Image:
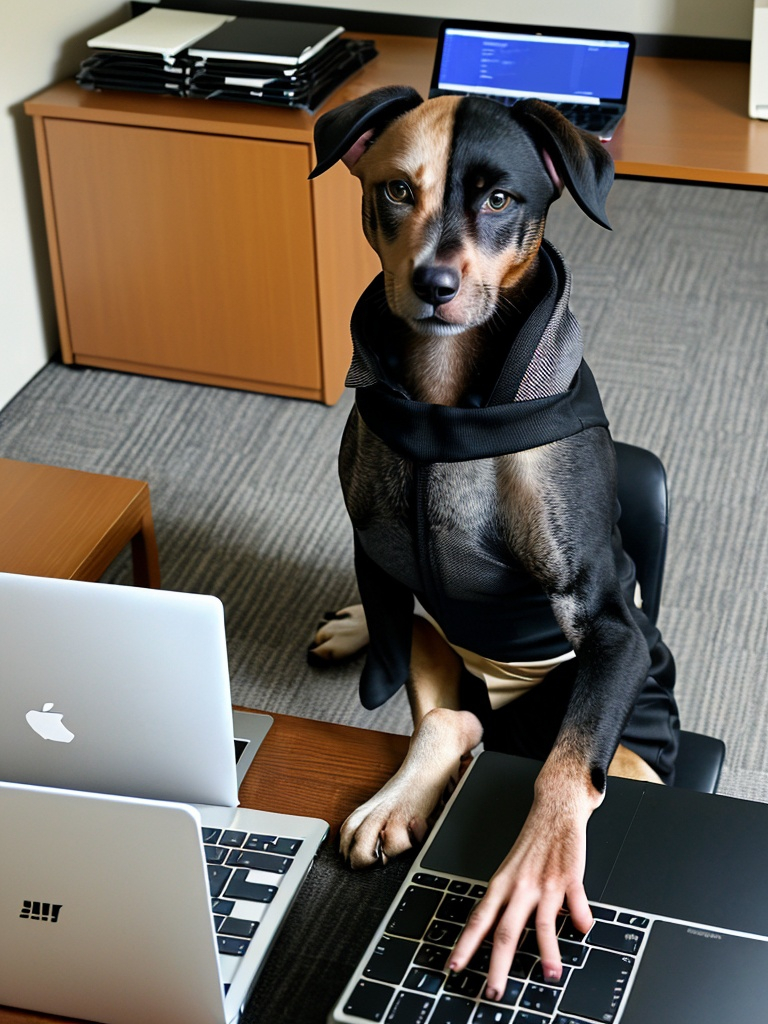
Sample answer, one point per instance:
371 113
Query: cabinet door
186 252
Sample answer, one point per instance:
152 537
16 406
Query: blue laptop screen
555 68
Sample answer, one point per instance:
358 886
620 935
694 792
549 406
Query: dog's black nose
436 285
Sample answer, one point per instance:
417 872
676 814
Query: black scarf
545 391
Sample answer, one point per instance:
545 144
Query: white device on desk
121 902
758 70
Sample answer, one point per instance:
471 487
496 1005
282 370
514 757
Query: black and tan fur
455 197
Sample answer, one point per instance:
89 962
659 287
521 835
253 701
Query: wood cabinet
186 241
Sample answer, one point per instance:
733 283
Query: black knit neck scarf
544 392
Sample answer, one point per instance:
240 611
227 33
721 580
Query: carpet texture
247 504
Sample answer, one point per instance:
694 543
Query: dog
480 478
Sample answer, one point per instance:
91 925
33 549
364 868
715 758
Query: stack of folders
220 57
148 53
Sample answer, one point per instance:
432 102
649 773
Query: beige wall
722 19
42 41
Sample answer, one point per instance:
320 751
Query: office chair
642 488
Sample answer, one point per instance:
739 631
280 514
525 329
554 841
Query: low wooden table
71 525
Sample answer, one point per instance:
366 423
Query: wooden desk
303 767
186 241
72 525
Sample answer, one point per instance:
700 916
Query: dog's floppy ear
580 159
338 131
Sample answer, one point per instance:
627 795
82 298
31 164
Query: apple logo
49 726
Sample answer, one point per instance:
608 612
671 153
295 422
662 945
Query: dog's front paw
380 830
399 815
341 635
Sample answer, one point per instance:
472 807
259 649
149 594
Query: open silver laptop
584 73
115 719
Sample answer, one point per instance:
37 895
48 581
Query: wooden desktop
186 241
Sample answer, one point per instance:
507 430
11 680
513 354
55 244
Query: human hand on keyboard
543 870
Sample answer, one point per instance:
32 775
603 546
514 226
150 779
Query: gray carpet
247 504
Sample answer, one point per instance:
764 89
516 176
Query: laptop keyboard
599 120
587 116
405 981
245 870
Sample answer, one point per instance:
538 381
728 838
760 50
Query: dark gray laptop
584 73
678 889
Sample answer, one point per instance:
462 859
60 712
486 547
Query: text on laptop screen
556 68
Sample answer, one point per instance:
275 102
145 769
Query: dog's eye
399 191
497 201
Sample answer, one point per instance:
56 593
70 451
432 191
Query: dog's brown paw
341 636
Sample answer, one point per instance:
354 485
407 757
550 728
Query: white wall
721 19
42 42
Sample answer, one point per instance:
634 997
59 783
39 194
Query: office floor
247 505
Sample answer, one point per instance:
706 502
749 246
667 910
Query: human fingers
579 909
506 938
546 934
479 924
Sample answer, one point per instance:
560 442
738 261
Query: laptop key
443 933
539 998
282 845
238 926
211 835
452 1010
603 913
217 878
414 913
410 1008
259 861
620 938
232 946
431 956
369 1000
538 976
492 1013
391 959
435 881
596 989
455 908
424 980
481 959
467 983
569 931
512 992
215 854
634 920
572 953
239 888
229 837
457 886
527 1017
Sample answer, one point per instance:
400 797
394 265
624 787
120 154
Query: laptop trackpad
693 974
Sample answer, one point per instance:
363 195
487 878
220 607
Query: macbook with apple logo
118 742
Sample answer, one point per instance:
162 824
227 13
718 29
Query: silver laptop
584 73
118 761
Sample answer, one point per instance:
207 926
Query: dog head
456 192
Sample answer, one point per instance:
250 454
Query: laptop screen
518 61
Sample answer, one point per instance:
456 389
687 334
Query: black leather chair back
644 522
